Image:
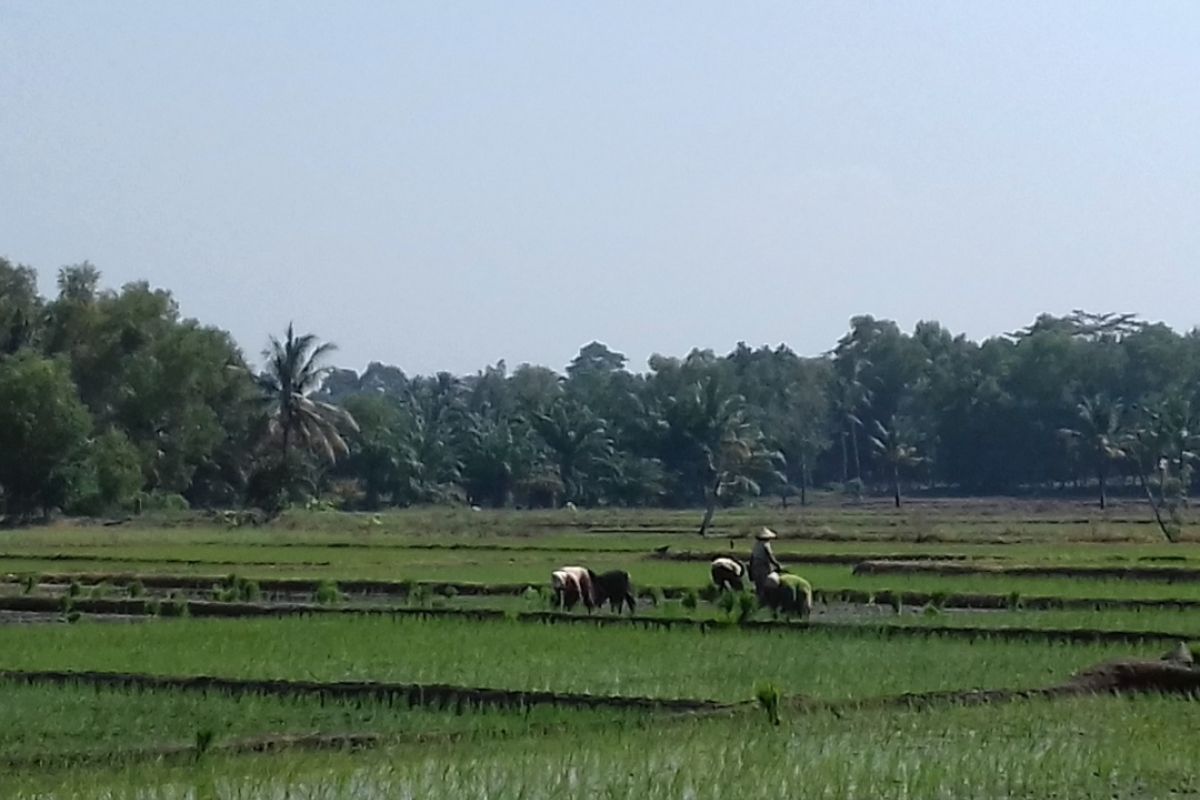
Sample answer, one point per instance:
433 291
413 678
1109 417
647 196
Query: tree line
112 399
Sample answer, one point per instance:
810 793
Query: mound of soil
1136 676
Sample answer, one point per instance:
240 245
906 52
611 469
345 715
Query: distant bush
118 468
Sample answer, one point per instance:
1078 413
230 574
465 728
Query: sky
440 185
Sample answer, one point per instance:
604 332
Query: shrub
118 469
136 589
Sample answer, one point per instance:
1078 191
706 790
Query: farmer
762 560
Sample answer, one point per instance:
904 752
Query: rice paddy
486 693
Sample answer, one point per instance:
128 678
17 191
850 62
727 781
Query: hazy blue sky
440 185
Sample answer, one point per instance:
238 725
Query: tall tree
20 307
708 424
580 447
1098 432
293 373
1161 449
43 434
892 443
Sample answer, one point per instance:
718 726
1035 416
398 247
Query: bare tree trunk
854 446
285 466
1155 506
1103 493
803 480
896 483
710 505
845 461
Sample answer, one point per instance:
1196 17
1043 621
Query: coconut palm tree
579 441
891 442
849 397
729 453
1164 445
293 373
1099 432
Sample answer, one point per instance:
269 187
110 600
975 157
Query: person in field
762 560
728 574
613 587
565 588
788 594
576 583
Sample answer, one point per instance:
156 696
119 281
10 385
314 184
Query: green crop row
722 664
534 568
1083 748
59 722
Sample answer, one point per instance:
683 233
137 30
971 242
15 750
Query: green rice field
464 682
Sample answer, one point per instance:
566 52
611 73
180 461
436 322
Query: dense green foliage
43 435
174 414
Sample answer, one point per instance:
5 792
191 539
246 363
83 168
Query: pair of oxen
574 585
782 592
